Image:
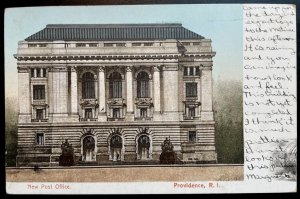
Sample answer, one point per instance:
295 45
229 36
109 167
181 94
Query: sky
220 23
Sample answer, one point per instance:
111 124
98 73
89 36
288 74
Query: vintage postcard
188 98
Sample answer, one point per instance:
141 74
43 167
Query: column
206 95
41 72
34 72
101 93
74 103
156 88
129 93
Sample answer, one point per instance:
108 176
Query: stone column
129 93
156 88
74 103
101 95
41 72
206 95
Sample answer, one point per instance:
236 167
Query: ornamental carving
88 102
115 102
143 102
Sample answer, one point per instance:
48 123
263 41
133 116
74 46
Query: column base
207 116
102 117
129 117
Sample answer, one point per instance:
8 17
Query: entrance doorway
116 148
89 149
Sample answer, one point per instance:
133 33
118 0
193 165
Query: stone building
115 92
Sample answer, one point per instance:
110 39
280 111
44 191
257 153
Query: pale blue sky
221 23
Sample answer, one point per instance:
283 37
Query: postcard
145 99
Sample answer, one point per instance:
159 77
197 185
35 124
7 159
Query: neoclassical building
115 92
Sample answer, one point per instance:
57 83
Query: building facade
115 92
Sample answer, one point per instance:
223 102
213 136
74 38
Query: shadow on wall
228 108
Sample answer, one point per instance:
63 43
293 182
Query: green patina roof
113 32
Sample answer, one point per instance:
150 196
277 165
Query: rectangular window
185 71
93 45
78 45
196 43
148 44
197 70
108 44
191 71
116 113
120 44
32 72
38 72
191 89
192 112
186 43
32 45
143 112
88 113
40 138
38 92
136 44
44 72
192 136
42 45
39 114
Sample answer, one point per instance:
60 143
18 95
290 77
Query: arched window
142 85
143 147
115 85
116 147
88 86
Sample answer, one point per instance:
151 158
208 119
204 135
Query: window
191 111
39 114
191 89
142 85
93 45
120 44
43 45
136 44
116 113
197 71
32 72
148 44
38 92
185 71
191 71
78 45
88 86
38 72
44 72
32 45
143 112
108 44
196 43
115 85
40 138
186 43
192 136
88 113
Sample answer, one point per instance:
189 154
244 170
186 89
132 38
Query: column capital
73 68
157 68
101 68
129 68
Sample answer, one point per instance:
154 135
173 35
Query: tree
11 118
228 108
